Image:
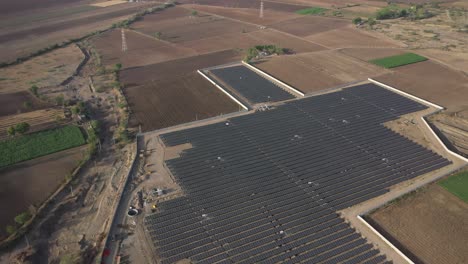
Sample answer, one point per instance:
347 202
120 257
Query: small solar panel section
250 85
266 187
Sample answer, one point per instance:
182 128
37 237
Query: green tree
10 229
194 13
75 110
371 22
27 105
59 100
117 67
34 90
11 131
22 218
22 128
357 20
158 35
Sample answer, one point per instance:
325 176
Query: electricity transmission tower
124 41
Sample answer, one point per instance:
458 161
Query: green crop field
38 144
311 11
457 185
398 60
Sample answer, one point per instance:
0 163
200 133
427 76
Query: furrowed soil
346 37
38 120
32 182
49 69
189 28
14 103
19 36
308 25
431 224
431 81
166 70
367 54
316 71
170 102
142 49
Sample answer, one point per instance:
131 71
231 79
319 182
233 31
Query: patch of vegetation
357 20
392 11
457 185
398 60
34 90
312 11
39 144
268 49
22 218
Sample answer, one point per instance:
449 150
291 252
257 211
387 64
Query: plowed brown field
431 81
431 224
308 25
367 54
319 70
349 37
31 182
141 49
174 101
13 103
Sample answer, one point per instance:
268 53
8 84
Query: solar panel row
265 187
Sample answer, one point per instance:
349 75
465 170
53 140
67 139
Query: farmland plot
15 103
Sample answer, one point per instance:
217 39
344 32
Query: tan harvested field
335 3
174 101
13 103
19 34
456 60
308 25
38 120
347 37
32 182
431 224
189 28
433 82
247 14
319 70
367 54
108 3
49 69
142 49
167 70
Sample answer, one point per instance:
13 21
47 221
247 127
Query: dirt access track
432 224
32 182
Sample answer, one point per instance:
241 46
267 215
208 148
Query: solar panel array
250 85
266 187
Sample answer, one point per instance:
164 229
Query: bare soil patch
141 49
348 37
456 60
13 103
50 69
31 182
7 7
432 224
170 102
431 81
189 28
367 54
38 120
308 25
318 70
247 14
454 128
170 69
252 4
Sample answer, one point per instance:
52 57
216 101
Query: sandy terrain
141 49
31 182
318 70
432 224
49 69
431 81
346 37
169 102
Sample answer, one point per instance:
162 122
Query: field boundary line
406 94
268 76
384 239
220 88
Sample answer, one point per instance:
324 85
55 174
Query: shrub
22 218
22 128
34 90
11 131
357 20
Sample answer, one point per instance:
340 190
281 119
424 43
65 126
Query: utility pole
124 41
261 9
